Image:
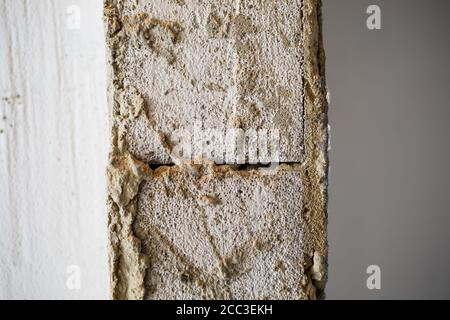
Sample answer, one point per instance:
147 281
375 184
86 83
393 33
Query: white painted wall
53 149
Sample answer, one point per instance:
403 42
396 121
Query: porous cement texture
231 234
182 230
217 65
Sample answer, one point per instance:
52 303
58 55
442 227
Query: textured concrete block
222 234
202 69
212 65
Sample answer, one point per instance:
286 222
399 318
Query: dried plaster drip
157 35
160 36
132 106
127 264
316 143
124 178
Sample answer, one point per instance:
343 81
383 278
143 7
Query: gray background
389 181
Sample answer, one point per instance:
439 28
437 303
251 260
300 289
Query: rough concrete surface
183 229
219 65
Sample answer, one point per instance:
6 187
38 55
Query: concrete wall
185 225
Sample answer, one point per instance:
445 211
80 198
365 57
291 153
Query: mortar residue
150 258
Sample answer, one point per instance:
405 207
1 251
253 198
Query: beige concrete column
218 162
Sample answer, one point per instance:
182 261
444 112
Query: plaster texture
192 227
